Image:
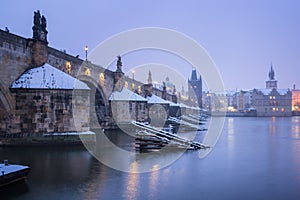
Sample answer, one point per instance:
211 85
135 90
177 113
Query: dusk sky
242 37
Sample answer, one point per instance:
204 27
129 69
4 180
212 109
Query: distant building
232 100
272 101
244 100
195 89
295 101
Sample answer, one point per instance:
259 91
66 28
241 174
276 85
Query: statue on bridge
39 27
119 64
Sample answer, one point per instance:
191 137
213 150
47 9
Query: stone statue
119 64
44 23
37 18
39 27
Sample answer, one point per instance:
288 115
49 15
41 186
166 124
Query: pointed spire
271 73
149 77
194 75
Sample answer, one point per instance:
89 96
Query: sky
242 38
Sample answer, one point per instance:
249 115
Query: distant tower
149 77
271 83
195 88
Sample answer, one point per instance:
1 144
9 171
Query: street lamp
86 50
133 74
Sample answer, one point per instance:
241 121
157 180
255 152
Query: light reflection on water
132 182
255 158
230 128
272 126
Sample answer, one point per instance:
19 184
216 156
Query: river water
255 158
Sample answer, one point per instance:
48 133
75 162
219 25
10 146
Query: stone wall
46 111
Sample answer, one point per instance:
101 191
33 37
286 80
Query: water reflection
272 126
153 182
261 166
295 128
93 188
132 182
230 128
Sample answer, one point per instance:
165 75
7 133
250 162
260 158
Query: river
255 158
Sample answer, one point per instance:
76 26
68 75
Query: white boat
10 173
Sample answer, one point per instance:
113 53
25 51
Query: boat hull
12 173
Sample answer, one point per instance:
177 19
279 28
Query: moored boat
10 173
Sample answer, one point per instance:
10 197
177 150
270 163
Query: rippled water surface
255 158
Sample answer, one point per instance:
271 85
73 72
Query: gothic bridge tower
195 88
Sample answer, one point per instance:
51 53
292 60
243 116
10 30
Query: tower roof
194 75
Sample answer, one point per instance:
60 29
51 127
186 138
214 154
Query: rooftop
125 95
48 77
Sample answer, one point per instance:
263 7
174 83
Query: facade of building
244 100
296 101
272 101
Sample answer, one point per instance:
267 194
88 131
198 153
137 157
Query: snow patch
126 95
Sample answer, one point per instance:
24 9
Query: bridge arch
99 106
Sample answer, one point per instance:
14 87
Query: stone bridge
19 54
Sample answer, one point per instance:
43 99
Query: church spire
271 73
149 77
271 83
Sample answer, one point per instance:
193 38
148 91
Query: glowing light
87 72
68 67
231 109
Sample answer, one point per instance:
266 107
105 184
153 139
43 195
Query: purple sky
242 37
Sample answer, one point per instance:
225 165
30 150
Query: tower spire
271 73
149 77
271 83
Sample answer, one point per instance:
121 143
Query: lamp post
133 74
86 50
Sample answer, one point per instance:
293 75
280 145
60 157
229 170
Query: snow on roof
173 104
268 91
48 77
182 105
155 99
7 169
125 95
